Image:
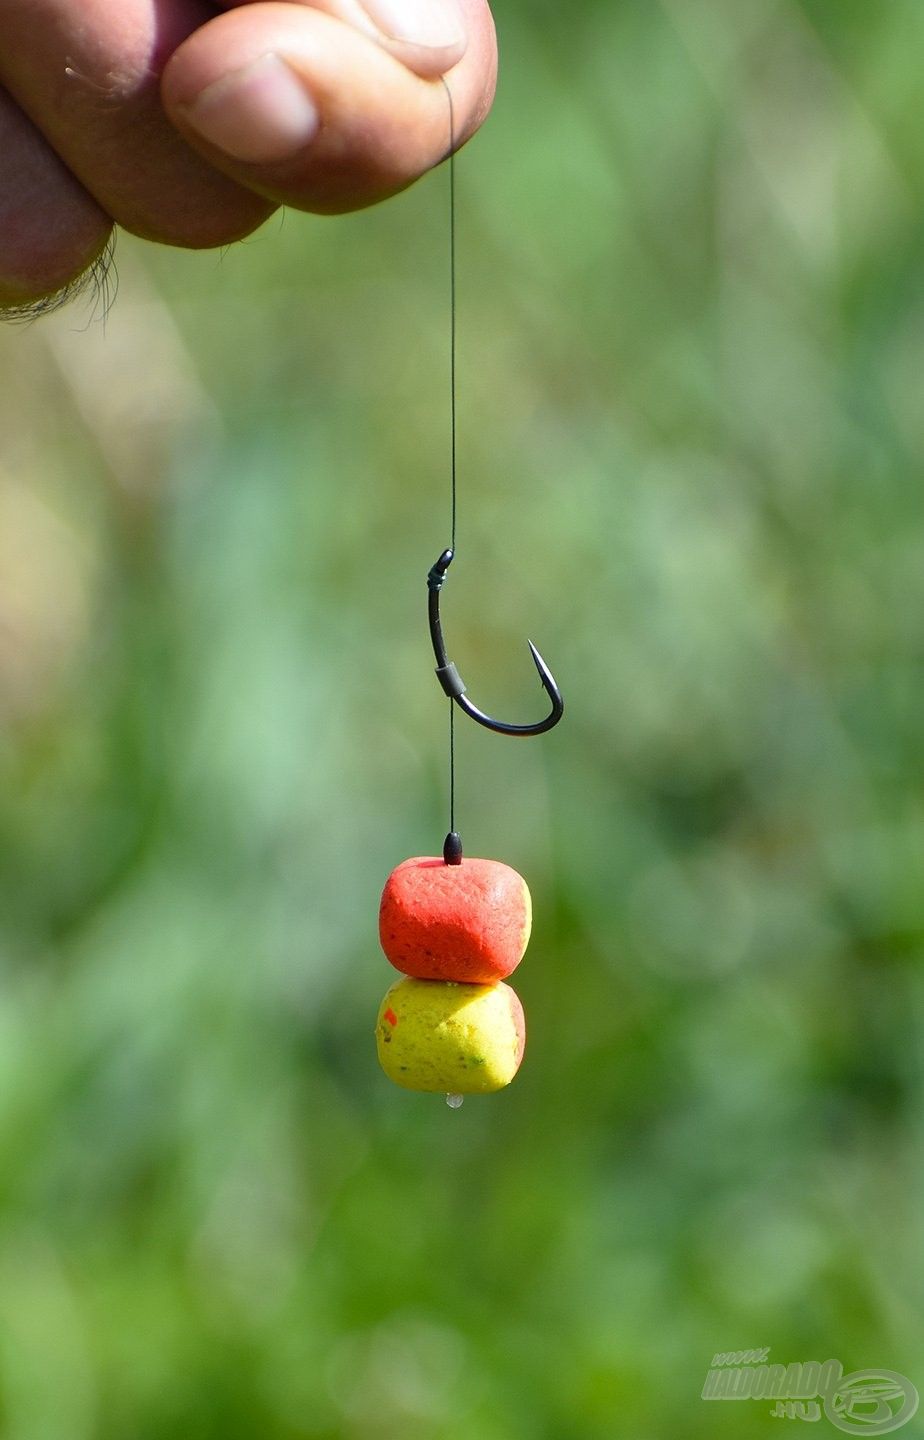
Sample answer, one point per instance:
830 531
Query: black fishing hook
452 681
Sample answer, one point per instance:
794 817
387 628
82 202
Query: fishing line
450 680
452 418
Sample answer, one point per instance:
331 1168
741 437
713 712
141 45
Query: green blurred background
691 329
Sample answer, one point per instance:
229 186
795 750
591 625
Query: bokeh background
691 329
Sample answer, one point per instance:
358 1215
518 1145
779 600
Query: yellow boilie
443 1036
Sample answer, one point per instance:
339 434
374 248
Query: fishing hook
452 681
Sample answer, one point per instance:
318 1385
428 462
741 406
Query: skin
97 121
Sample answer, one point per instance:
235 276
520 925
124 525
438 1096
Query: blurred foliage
691 293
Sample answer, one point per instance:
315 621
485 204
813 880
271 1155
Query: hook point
545 674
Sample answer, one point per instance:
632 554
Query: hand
189 123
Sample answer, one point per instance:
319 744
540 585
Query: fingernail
261 114
433 23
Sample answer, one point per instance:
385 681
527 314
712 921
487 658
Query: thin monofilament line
452 416
452 325
452 767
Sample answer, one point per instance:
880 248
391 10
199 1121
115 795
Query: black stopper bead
452 848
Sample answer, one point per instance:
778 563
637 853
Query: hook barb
452 682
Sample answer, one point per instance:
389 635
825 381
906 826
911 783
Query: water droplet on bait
454 1101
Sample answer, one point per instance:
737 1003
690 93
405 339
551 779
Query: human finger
51 229
87 74
310 112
